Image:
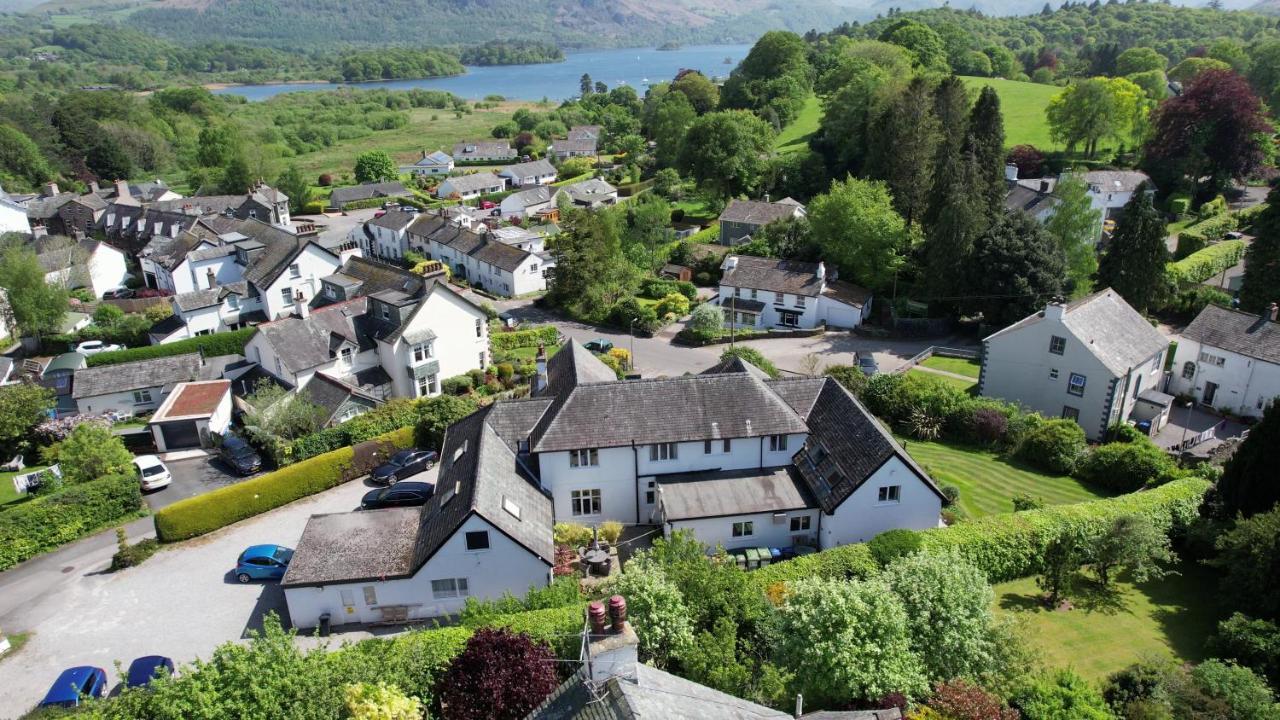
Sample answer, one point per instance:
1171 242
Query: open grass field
988 482
1107 631
1023 105
795 137
959 366
957 383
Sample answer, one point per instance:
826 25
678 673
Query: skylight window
512 509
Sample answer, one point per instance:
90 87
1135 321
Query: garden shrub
1204 264
846 562
1127 466
1011 545
456 385
46 522
626 309
543 335
658 288
1188 301
392 415
226 505
893 544
1201 234
1053 446
1250 214
128 555
673 304
225 343
572 534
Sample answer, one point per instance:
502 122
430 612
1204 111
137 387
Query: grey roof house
343 196
771 293
743 218
1229 360
140 386
483 151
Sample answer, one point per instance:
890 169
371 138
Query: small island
669 46
511 52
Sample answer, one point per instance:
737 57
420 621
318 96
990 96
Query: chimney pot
596 614
822 270
1273 310
618 612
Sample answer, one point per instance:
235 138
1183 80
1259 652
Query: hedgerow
546 335
847 562
49 521
1204 264
1011 545
218 508
1196 237
226 343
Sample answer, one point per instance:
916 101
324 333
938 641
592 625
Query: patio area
1197 430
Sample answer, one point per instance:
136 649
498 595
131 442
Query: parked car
1235 235
868 365
487 205
237 453
93 347
147 668
75 685
118 293
599 346
152 472
263 562
403 464
405 494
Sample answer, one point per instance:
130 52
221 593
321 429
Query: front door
1210 391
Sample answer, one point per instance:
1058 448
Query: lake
637 67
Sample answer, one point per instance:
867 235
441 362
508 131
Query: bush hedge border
1207 262
224 343
47 522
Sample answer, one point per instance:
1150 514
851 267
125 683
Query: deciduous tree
36 307
293 184
374 166
859 231
1075 225
92 451
499 675
703 95
22 407
1132 543
726 152
1014 269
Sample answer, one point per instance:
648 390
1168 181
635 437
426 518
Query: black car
404 464
405 494
237 453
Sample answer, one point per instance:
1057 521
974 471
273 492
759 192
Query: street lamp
1186 424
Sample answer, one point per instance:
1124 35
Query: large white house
389 343
203 312
1087 360
469 187
763 293
86 263
1230 360
481 257
740 459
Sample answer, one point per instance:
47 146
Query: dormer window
422 352
385 311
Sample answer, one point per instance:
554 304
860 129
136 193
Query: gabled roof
196 299
500 255
330 394
1108 327
574 365
534 168
533 196
582 145
1236 331
303 343
590 191
584 132
66 255
1120 181
123 377
483 148
370 276
343 195
758 212
847 445
784 276
475 182
395 220
1028 200
281 248
439 157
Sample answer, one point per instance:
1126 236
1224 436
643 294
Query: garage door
180 434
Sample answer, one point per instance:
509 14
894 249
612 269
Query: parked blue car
147 668
263 562
75 685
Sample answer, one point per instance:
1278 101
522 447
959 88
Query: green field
957 383
1023 105
959 366
1107 631
795 137
988 482
7 493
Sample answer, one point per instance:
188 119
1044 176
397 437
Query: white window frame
889 494
777 443
142 396
585 457
423 352
295 271
233 302
1211 359
586 503
455 588
662 452
286 294
801 523
427 385
743 529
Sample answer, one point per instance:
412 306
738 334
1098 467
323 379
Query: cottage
591 194
537 172
141 386
383 237
485 532
481 258
1229 360
341 197
585 132
192 415
765 293
436 163
1034 198
13 217
338 401
743 218
570 148
360 277
1086 360
87 263
528 203
483 151
469 187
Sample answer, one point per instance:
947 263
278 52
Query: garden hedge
1250 214
233 503
839 563
1204 264
546 334
1196 237
225 343
46 522
1011 545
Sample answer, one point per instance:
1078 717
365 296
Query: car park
403 464
93 347
153 474
404 494
263 562
147 668
239 455
75 685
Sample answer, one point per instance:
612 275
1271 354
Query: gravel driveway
182 603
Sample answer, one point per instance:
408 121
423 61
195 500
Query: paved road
182 603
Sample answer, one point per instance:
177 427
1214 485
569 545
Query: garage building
190 414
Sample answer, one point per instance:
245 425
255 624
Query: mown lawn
1107 631
1023 105
795 137
988 482
7 493
959 366
957 383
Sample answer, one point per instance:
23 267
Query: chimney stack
614 651
596 614
93 186
1011 172
1055 309
1044 185
540 380
213 278
122 189
50 189
618 612
822 270
1272 311
799 706
300 305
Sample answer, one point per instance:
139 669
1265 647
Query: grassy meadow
1023 104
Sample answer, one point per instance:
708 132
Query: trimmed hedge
1012 545
226 343
1204 264
840 563
44 523
546 335
233 503
1250 214
1195 237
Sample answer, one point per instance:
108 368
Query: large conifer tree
1134 262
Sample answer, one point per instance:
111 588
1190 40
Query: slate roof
590 191
584 132
354 546
439 157
651 695
372 276
477 245
1120 181
68 255
156 372
395 220
732 492
757 212
330 394
483 148
500 255
847 293
798 392
1028 200
579 145
574 365
281 248
532 169
1108 327
1236 331
684 409
303 343
785 276
475 182
196 299
533 196
847 446
343 195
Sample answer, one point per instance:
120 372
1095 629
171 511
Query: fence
966 353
